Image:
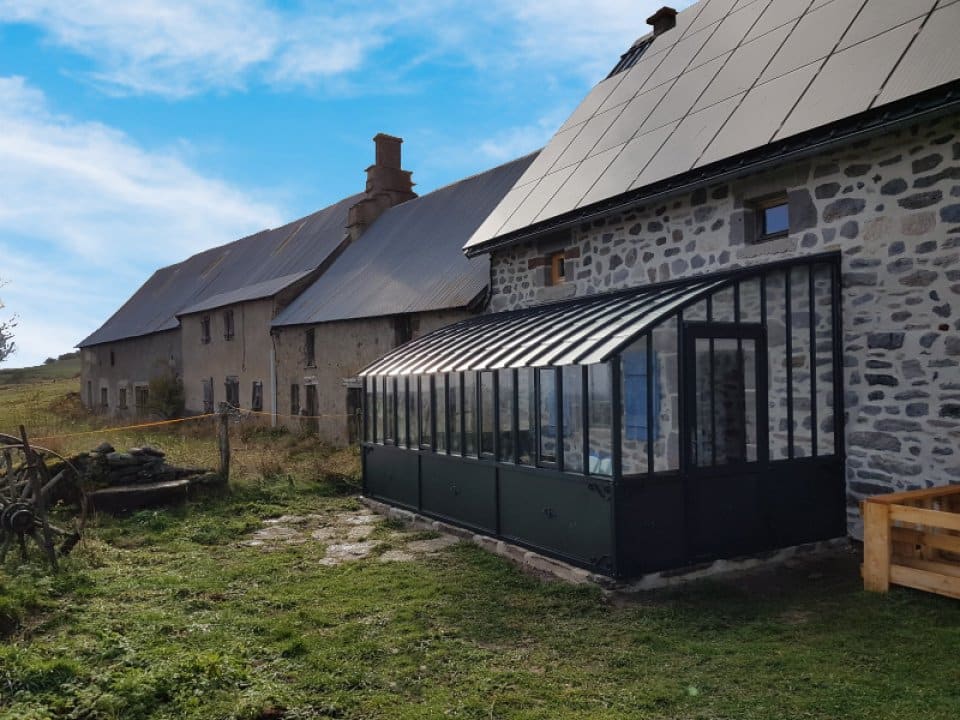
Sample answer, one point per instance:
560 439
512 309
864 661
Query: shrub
166 395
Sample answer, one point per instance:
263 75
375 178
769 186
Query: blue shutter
635 395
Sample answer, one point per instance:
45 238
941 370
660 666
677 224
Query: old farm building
726 300
207 319
281 322
406 277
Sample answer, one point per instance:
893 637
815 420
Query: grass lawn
165 614
65 368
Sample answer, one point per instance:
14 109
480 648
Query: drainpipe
273 379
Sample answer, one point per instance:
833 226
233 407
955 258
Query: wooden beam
941 568
950 543
925 580
914 495
919 516
876 547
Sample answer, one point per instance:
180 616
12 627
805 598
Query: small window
773 218
310 347
228 324
104 397
205 329
294 399
558 269
630 57
232 387
141 396
208 395
122 398
256 396
113 359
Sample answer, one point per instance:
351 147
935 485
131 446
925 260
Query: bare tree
7 347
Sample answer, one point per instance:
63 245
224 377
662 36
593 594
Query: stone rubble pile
104 466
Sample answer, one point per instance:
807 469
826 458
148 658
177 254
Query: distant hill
63 367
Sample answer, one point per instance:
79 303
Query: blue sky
135 134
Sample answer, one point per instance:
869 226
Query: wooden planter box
913 539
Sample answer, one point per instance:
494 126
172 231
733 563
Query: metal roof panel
792 40
410 259
299 246
759 115
849 81
730 33
933 59
813 38
742 69
882 15
627 165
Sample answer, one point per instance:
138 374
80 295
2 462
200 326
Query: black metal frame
628 496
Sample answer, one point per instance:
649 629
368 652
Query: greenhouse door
725 439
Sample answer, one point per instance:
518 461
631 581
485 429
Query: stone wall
245 356
891 206
126 364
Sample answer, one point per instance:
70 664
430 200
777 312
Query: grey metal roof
241 270
731 77
411 258
581 331
574 332
256 291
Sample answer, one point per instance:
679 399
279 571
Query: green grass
62 369
164 615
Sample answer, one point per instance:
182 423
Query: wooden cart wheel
30 513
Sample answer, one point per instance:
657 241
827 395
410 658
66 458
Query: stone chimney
662 20
387 185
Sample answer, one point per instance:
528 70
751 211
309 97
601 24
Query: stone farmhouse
278 322
725 300
408 276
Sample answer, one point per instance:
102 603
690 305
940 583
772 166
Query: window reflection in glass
413 410
440 385
527 413
488 426
505 400
600 399
402 411
573 418
547 380
389 414
453 405
370 416
470 414
426 412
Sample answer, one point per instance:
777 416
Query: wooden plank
919 516
913 495
941 568
925 580
876 547
950 543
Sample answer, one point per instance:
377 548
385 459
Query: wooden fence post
876 546
223 439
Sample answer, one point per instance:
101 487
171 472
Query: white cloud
81 202
176 48
516 141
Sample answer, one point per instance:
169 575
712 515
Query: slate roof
732 77
253 267
411 258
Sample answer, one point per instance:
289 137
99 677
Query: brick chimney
662 20
387 185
